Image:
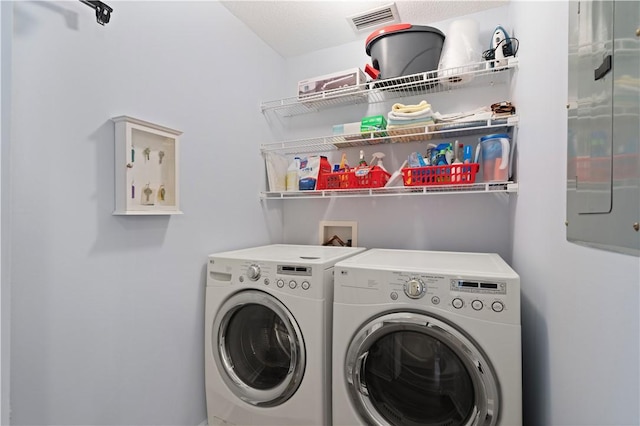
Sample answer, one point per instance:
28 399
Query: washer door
258 348
414 369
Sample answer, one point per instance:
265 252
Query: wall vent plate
373 18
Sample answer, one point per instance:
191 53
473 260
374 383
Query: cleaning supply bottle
456 172
449 154
379 156
292 179
466 156
458 156
362 162
444 154
343 163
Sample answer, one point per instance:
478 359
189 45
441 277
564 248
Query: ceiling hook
103 12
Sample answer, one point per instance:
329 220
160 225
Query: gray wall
6 25
108 311
580 306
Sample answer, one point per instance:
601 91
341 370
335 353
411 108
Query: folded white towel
393 115
483 113
401 108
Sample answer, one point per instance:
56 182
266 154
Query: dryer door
415 369
258 348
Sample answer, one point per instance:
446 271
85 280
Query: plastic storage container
495 157
365 177
403 49
452 174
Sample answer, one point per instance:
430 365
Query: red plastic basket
364 177
452 174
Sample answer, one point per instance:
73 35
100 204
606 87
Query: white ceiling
293 28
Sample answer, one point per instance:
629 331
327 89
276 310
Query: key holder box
146 168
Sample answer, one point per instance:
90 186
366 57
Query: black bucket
404 49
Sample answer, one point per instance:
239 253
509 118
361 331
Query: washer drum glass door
415 369
258 348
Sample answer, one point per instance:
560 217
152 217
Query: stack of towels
409 119
479 114
408 116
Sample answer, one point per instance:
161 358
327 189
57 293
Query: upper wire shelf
485 72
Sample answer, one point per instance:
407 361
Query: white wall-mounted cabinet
146 168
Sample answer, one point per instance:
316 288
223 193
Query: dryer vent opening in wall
383 15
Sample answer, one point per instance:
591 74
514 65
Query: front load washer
426 338
268 334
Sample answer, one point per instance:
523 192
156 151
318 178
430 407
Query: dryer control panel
483 298
482 294
303 280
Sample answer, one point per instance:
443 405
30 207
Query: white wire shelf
474 188
479 73
416 134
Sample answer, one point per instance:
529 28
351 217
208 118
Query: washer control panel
458 294
285 277
482 298
311 281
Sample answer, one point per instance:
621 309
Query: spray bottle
379 156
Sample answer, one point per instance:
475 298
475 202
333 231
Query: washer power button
497 306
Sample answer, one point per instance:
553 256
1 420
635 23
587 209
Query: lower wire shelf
474 188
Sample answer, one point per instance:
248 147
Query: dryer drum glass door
258 348
414 369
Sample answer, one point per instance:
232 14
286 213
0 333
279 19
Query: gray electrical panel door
603 161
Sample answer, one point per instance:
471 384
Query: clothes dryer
426 338
268 334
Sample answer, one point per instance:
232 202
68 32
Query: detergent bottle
495 157
292 178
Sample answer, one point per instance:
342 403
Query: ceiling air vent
374 18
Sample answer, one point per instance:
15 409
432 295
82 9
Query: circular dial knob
414 288
253 272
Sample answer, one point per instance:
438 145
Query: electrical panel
603 149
